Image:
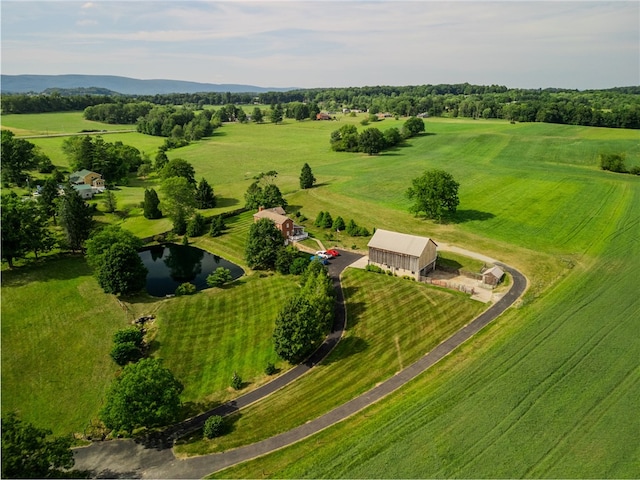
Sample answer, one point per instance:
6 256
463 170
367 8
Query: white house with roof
401 253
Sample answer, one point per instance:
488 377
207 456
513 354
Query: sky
308 44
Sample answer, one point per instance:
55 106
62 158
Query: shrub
186 289
214 426
129 335
299 265
236 381
270 369
219 277
123 353
374 269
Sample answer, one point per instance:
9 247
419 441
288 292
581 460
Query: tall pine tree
306 177
151 202
204 195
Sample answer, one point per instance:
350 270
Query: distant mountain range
123 85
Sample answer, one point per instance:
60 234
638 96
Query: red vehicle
333 253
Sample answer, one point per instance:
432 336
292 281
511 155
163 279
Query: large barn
402 254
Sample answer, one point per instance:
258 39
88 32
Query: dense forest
615 107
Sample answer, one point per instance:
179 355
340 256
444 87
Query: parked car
322 254
320 259
333 253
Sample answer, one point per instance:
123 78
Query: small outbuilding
493 275
403 254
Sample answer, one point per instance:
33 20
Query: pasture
546 391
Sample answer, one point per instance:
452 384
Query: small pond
171 265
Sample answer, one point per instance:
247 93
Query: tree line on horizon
615 107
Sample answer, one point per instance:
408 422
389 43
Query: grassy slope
208 337
57 326
391 322
551 391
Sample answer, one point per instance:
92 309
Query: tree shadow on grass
222 202
463 216
62 266
347 347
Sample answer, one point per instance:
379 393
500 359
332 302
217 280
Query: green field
550 391
547 391
391 322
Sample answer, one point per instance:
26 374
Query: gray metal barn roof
399 242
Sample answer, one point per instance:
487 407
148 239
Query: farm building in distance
290 231
402 254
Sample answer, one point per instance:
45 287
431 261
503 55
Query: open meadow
548 390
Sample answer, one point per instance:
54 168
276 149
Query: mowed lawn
209 336
57 328
391 322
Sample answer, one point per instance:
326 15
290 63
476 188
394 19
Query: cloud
347 43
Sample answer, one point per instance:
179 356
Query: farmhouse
402 254
323 116
87 177
290 231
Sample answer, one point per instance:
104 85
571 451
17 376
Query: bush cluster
325 220
127 345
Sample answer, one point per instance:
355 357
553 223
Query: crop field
391 322
548 390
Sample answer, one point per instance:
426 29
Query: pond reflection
170 265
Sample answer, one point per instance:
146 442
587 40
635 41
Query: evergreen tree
319 221
217 226
110 203
276 114
196 226
204 195
76 218
327 221
338 224
151 202
306 177
257 116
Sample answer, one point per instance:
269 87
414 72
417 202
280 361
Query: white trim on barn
403 254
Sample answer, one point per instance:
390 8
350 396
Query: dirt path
126 458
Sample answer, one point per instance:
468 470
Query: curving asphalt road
152 457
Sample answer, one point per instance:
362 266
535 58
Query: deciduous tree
179 167
178 200
18 155
31 452
146 394
76 218
121 270
263 244
435 193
